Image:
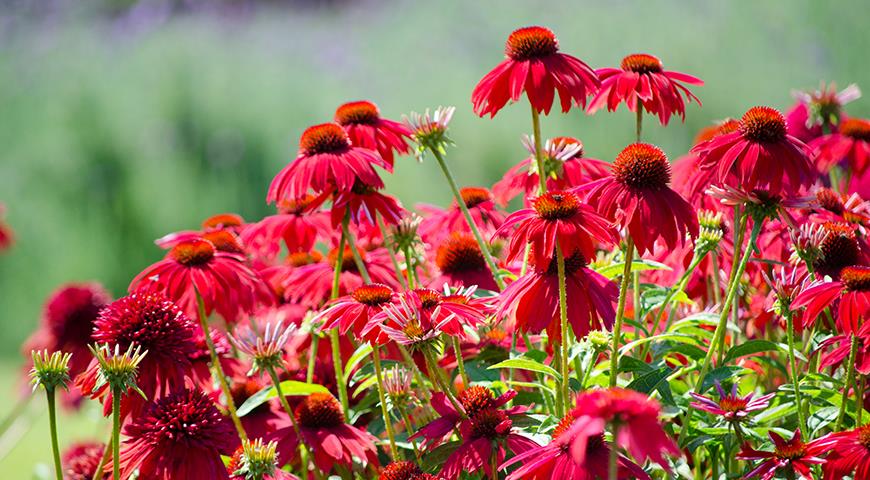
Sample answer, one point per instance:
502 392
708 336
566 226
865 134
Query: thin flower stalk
620 310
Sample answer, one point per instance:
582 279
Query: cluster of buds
712 227
405 235
118 369
258 460
50 370
397 383
807 243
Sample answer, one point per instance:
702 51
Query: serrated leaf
614 270
288 388
523 363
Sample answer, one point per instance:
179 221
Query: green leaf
748 348
676 337
523 363
361 352
719 374
648 382
614 270
288 388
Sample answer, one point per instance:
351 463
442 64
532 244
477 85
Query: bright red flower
555 460
793 455
294 224
642 79
353 312
7 237
853 292
635 417
816 107
326 160
461 263
402 470
364 202
421 315
182 435
324 431
637 196
532 301
438 224
851 144
731 407
158 326
221 229
838 249
850 455
367 129
842 346
80 461
564 167
760 154
557 218
222 279
534 65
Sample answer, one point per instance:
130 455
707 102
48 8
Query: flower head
815 108
839 248
534 65
257 461
118 369
366 128
80 461
850 145
731 406
265 348
50 370
461 262
430 130
403 470
850 454
794 456
853 292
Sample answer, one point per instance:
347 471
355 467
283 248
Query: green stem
437 379
850 379
859 401
484 247
217 369
303 448
802 421
412 269
312 357
620 310
460 363
539 158
393 260
730 304
357 258
612 460
563 327
409 427
638 122
388 423
52 426
717 290
333 334
116 433
681 284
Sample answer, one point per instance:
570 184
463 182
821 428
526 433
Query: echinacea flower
438 224
637 196
294 224
404 470
155 324
850 455
794 456
80 461
853 292
632 415
555 460
731 406
324 431
460 262
534 65
222 230
815 108
532 303
557 219
642 82
565 166
760 154
255 460
850 144
430 129
265 345
326 159
849 208
367 129
842 350
351 313
839 248
195 268
363 203
181 435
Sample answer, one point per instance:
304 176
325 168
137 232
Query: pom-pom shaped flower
760 154
794 457
367 129
80 461
534 65
637 196
642 81
853 292
327 159
181 435
731 406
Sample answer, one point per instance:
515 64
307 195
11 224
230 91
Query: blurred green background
123 120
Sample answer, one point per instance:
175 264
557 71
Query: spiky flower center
732 404
763 125
830 200
489 423
319 410
191 253
573 262
856 128
474 196
357 113
373 295
529 43
856 278
556 205
476 398
296 206
324 138
223 220
298 259
459 253
428 298
564 425
184 417
642 63
347 261
400 471
149 320
224 241
792 450
413 329
838 249
641 165
864 436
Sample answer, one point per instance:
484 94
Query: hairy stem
620 310
52 426
795 380
382 396
563 327
850 380
116 433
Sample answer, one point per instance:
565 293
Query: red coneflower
839 248
221 229
564 167
182 435
367 129
324 431
158 326
732 407
221 279
637 196
850 455
793 455
635 418
842 349
437 223
402 470
364 202
80 461
642 80
851 143
532 303
760 154
853 292
326 159
353 312
814 108
461 263
554 460
294 224
557 218
849 208
534 65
